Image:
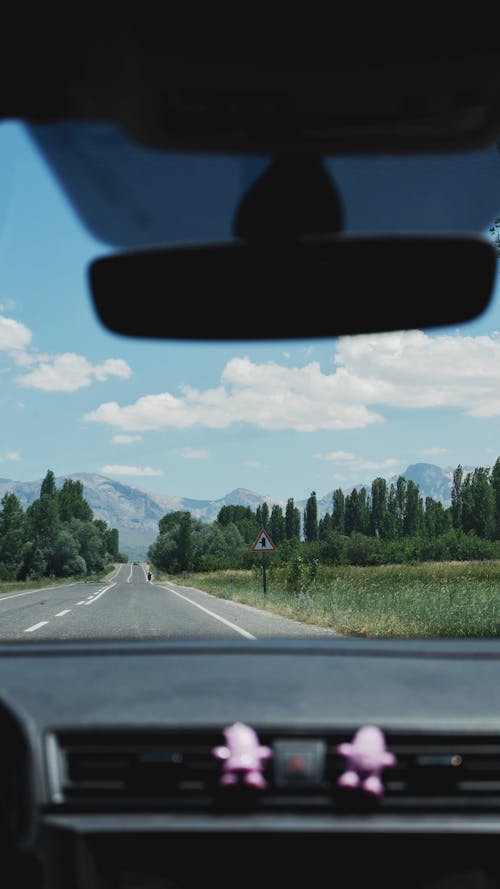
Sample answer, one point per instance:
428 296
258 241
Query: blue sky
199 420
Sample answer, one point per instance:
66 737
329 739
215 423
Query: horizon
239 488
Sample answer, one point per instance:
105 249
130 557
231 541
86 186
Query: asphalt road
126 606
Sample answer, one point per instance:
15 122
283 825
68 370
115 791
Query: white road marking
41 589
130 575
98 596
36 626
211 613
62 613
82 602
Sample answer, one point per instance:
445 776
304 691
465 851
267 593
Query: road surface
126 606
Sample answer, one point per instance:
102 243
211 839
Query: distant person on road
149 576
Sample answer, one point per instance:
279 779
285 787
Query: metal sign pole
263 545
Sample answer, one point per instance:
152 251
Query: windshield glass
343 486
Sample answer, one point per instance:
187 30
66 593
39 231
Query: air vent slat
175 771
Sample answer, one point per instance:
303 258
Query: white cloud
433 452
117 469
112 367
194 453
337 456
351 462
125 439
7 305
15 337
414 370
252 464
267 395
20 404
53 373
13 456
407 370
69 372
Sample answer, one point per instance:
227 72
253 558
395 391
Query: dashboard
109 776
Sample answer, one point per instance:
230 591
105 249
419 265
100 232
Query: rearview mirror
310 287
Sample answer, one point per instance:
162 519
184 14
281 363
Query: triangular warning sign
263 544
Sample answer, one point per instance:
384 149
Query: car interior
121 757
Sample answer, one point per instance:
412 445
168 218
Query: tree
338 511
483 503
215 547
262 514
43 522
12 534
400 505
357 512
184 549
379 506
112 544
325 527
277 525
457 497
66 560
89 536
495 484
163 552
49 485
72 504
292 520
436 518
171 520
311 518
33 562
413 510
244 519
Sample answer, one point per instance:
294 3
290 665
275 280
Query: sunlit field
443 599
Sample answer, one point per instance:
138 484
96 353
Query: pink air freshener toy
366 757
242 757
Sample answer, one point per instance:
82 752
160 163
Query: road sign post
263 545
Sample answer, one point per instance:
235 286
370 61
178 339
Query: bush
363 550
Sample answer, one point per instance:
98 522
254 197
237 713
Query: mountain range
136 513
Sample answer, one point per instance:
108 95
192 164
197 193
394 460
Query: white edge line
211 613
42 589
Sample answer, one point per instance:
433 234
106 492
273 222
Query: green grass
442 599
20 586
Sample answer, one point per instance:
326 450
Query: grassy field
442 599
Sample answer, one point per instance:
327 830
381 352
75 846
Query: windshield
344 486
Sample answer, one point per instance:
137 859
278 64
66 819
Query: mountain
433 481
136 513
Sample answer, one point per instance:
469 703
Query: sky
198 420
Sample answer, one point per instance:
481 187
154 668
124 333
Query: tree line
391 522
56 536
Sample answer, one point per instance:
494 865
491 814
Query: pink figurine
367 756
242 756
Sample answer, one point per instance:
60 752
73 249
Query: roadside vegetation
380 562
57 536
444 599
20 586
